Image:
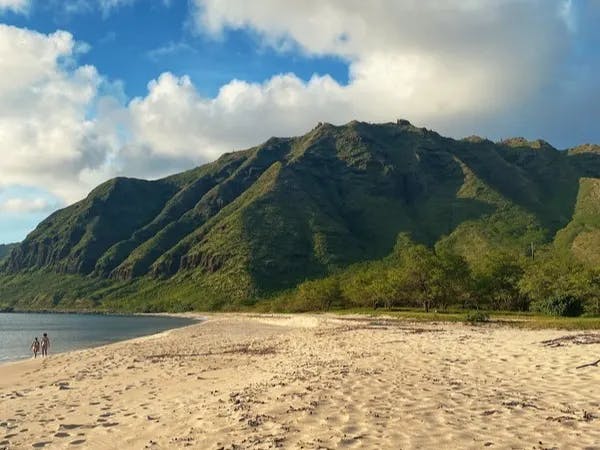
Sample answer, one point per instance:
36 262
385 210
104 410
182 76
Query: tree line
414 275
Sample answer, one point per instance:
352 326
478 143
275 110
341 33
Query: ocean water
75 331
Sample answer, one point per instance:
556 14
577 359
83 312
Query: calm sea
75 331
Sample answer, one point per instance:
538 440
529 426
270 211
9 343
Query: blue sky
138 41
99 88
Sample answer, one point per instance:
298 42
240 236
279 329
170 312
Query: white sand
313 382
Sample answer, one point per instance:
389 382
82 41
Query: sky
92 89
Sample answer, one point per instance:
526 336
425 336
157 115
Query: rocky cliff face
5 249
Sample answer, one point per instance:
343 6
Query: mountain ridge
290 209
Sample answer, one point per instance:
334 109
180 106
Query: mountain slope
266 218
5 250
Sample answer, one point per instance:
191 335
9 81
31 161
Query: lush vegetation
371 216
551 282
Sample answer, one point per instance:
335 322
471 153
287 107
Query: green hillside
262 220
5 250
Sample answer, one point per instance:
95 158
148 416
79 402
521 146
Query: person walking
45 344
35 346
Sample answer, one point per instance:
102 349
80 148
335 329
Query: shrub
317 295
561 305
477 317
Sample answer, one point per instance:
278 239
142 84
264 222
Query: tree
420 275
368 287
556 275
497 276
319 294
453 278
593 303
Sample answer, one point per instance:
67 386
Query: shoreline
252 381
193 317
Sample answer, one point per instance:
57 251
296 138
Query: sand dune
312 382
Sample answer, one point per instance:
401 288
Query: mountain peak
585 148
521 142
474 139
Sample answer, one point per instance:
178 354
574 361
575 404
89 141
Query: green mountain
5 250
264 219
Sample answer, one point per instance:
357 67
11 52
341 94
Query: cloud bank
18 6
461 67
24 205
46 138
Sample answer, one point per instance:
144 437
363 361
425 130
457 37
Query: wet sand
312 382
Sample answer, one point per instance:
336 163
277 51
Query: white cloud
169 49
46 137
456 66
26 205
431 58
106 7
566 13
19 6
173 122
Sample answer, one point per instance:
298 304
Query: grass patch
474 317
531 321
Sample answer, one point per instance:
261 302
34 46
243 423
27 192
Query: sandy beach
311 382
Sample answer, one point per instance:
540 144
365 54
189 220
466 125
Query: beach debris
575 339
252 349
231 447
186 440
256 420
595 364
588 416
376 324
560 419
522 404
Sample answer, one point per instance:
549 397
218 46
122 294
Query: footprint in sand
77 442
62 435
69 426
41 444
110 424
